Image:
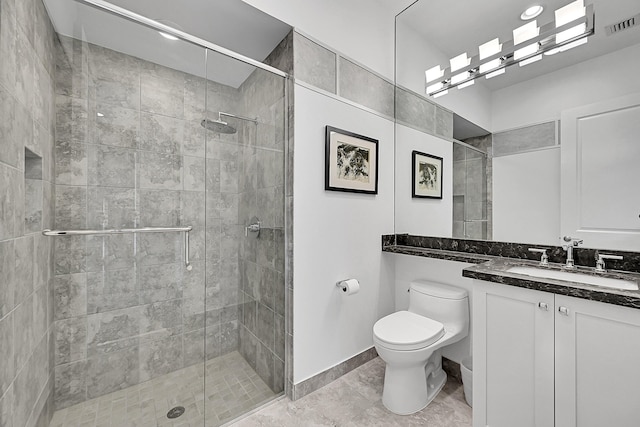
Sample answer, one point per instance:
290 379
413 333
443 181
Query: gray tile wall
485 143
26 207
323 68
282 58
314 64
126 310
471 189
130 152
364 87
524 139
261 193
420 113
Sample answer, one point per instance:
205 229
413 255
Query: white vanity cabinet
550 360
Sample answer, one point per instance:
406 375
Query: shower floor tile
232 388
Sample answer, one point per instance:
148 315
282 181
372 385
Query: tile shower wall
131 152
478 171
470 193
282 58
261 194
26 207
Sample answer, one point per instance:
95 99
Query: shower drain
175 412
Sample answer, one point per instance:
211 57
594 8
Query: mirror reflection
521 167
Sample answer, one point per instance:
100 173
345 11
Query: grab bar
184 230
115 231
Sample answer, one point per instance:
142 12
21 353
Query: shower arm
235 116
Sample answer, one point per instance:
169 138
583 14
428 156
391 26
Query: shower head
221 126
217 126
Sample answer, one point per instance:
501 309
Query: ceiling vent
623 25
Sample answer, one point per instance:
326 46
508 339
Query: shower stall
472 189
168 231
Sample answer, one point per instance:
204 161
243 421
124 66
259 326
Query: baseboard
323 378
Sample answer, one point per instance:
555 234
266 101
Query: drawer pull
563 310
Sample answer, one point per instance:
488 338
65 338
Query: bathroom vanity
547 352
551 352
543 359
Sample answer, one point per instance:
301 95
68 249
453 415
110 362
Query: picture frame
351 162
426 174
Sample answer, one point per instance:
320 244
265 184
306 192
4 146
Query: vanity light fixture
530 60
490 49
523 34
572 26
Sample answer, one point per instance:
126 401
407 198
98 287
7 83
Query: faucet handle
572 241
544 258
600 265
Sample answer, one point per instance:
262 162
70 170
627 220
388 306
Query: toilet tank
447 304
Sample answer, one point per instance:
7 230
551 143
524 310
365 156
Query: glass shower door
128 312
244 133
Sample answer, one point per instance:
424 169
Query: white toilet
410 343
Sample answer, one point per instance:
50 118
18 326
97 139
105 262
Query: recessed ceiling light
531 12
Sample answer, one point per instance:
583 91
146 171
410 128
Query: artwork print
426 175
351 162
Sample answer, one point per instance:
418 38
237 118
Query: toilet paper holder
342 285
349 286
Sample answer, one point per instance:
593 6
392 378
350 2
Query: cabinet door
513 356
597 364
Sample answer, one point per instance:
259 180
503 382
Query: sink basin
569 276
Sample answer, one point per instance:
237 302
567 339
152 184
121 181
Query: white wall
360 29
543 98
428 217
526 197
409 268
337 236
415 55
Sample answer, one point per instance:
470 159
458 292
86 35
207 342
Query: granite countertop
438 253
494 269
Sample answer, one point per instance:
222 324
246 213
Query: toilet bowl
410 343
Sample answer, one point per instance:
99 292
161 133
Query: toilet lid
404 330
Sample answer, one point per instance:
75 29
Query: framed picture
426 172
351 162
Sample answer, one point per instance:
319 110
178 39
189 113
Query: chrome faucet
571 243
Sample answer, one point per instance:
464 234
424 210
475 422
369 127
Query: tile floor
355 400
232 389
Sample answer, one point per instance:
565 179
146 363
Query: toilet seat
404 330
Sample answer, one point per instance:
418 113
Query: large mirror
543 150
